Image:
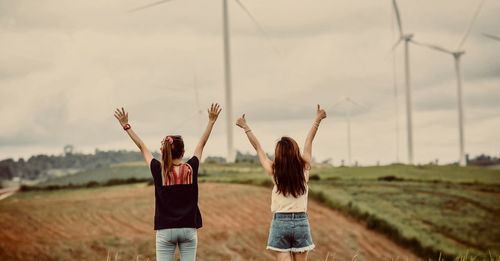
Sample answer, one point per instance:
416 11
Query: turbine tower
407 38
457 54
227 83
347 115
227 65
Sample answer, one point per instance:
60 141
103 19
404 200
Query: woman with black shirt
177 215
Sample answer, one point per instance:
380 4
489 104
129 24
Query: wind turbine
396 94
494 37
227 66
457 54
407 38
347 115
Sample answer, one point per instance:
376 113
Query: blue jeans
168 239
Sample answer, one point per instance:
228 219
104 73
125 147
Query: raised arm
307 154
213 113
264 160
122 118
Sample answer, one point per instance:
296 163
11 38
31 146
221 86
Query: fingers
318 107
243 116
215 108
123 111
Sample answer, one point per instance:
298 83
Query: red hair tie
170 140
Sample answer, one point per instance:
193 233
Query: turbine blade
257 24
432 46
133 10
494 37
196 93
338 102
356 103
398 17
469 27
396 44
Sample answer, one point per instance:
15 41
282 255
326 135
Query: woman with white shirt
290 233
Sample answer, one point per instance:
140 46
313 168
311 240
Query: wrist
126 126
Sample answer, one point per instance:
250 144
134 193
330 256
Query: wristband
126 126
247 131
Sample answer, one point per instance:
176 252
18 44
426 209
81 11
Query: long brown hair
288 168
172 148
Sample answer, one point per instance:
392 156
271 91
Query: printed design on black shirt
184 175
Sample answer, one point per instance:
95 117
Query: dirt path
90 224
7 192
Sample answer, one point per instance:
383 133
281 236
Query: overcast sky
65 65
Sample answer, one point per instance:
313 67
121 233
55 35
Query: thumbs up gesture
242 122
320 114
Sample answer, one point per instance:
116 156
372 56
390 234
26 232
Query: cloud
66 66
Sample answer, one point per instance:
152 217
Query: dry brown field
116 223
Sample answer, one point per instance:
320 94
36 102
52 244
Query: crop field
117 222
429 209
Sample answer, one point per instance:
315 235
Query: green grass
117 172
430 209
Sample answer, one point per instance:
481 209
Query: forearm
310 136
203 140
206 133
252 138
135 138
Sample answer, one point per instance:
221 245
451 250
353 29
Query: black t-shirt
176 206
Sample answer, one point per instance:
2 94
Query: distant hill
41 166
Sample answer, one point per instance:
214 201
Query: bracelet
126 126
316 125
247 131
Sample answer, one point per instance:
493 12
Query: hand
213 112
242 122
320 114
121 116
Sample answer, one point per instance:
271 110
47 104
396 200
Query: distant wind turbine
347 115
494 37
227 66
407 38
396 95
457 54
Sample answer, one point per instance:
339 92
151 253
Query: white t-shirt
288 204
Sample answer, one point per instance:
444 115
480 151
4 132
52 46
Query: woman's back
286 204
176 205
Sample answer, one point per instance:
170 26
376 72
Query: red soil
116 222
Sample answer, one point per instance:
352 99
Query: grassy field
431 209
117 222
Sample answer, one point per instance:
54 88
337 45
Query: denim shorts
290 232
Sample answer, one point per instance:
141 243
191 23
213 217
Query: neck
176 161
